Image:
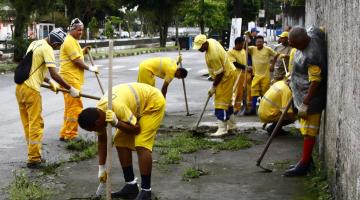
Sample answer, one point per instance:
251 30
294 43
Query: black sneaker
144 195
129 191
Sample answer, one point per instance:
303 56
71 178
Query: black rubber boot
129 191
144 195
299 170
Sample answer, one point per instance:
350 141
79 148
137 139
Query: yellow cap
199 41
284 34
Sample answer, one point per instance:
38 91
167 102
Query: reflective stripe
33 142
275 88
136 98
311 126
130 118
50 63
71 119
218 71
273 103
224 115
160 66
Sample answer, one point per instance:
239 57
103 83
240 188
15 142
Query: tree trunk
201 20
163 34
20 43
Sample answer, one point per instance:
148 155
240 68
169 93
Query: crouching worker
273 104
28 93
137 112
162 67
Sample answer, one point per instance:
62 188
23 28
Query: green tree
206 13
86 9
160 12
111 22
93 27
24 9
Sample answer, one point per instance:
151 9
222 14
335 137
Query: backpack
22 71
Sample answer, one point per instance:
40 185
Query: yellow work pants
149 123
311 125
73 107
260 84
29 101
224 91
146 76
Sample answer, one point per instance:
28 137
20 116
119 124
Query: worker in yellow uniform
273 104
308 84
28 93
72 68
261 68
223 71
162 67
283 48
137 112
237 56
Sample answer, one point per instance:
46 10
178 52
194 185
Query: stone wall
340 135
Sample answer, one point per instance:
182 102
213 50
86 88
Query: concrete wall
340 137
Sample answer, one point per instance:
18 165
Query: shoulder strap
31 58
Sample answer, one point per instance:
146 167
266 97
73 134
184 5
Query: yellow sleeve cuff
314 73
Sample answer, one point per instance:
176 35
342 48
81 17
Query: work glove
111 118
179 59
211 91
94 68
74 92
302 110
102 174
54 85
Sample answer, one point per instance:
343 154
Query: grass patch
171 147
318 184
192 173
236 143
22 188
50 168
7 66
86 149
172 156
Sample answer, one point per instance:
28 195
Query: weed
50 168
87 153
171 157
192 173
22 188
86 149
170 148
80 145
318 184
239 142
